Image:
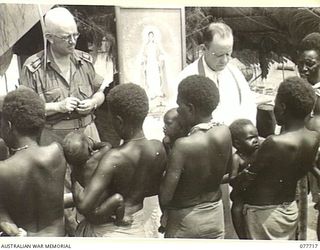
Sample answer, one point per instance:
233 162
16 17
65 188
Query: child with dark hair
196 166
246 141
270 208
83 154
172 129
134 169
35 202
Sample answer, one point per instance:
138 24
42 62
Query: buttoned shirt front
50 84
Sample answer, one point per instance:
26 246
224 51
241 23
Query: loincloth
135 229
271 222
204 220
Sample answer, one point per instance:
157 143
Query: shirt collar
207 68
74 57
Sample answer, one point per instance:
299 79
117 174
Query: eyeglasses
68 38
219 56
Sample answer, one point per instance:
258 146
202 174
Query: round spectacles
221 55
68 38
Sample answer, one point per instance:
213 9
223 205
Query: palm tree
264 34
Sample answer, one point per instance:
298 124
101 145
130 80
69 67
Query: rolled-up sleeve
27 78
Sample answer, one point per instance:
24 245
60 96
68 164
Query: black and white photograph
156 121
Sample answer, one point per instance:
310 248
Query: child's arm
97 145
68 200
316 167
235 166
110 206
100 145
265 156
226 177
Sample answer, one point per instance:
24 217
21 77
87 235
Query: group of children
83 154
245 140
131 172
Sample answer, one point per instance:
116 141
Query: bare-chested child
32 179
191 185
271 210
246 141
172 129
83 155
133 169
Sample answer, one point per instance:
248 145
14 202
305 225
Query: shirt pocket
52 95
85 91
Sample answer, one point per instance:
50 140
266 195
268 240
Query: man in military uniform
66 80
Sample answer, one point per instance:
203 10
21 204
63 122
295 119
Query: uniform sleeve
26 78
95 79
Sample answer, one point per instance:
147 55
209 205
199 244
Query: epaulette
33 66
85 56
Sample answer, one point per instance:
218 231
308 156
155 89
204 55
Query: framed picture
151 48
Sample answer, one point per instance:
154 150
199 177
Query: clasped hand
72 103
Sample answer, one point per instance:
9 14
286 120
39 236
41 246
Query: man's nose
225 58
305 68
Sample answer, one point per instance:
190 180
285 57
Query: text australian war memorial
159 122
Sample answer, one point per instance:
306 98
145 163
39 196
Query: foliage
97 27
263 35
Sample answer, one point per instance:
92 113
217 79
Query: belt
72 124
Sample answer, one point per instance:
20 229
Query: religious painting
151 49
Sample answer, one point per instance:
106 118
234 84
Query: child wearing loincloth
172 130
270 208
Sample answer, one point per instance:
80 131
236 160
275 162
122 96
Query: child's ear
191 108
119 121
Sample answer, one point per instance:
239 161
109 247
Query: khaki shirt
51 85
55 88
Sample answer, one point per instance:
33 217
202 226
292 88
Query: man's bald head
59 20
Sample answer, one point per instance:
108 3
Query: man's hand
69 104
86 106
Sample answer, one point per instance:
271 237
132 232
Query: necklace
19 149
135 139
